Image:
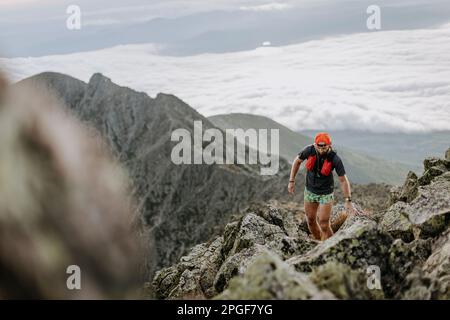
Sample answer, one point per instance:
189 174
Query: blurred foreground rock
63 201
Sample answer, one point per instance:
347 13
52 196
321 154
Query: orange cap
323 137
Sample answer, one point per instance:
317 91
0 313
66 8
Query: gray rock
430 174
410 188
236 265
407 192
359 243
432 279
430 211
443 164
433 167
208 268
425 216
254 230
268 277
395 220
394 194
403 258
437 267
193 277
344 282
417 286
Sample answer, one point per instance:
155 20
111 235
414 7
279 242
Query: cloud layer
379 81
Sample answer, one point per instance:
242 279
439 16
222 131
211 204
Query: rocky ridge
267 254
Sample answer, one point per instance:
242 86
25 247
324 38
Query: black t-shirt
315 182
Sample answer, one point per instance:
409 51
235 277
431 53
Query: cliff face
267 254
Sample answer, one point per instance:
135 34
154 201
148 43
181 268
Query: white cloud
266 7
380 81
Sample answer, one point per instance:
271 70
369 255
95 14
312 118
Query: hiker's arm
347 193
294 169
345 184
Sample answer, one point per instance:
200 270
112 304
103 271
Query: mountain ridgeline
181 205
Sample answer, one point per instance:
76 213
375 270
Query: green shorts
320 198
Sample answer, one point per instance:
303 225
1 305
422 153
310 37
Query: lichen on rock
268 277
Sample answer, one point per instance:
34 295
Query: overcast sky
186 27
322 62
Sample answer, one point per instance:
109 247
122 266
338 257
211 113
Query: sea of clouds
382 81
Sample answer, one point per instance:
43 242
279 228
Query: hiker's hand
291 187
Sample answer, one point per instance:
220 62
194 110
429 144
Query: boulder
425 216
433 167
254 229
263 227
407 192
402 259
437 267
359 243
430 211
416 286
193 276
343 282
410 188
395 220
268 277
236 265
432 280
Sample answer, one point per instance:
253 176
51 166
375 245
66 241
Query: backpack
327 165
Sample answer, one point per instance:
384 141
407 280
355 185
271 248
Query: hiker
321 159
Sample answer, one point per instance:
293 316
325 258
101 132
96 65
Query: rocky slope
267 254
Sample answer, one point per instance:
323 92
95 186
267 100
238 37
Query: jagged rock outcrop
343 282
408 244
432 279
260 229
408 191
268 277
359 243
427 215
193 277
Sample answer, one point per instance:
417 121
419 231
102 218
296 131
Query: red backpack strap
310 163
326 168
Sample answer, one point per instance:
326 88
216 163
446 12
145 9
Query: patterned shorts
320 198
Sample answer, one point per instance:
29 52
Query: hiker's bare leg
311 218
324 213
